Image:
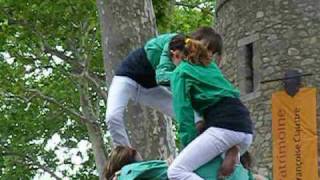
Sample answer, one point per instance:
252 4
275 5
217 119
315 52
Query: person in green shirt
198 84
140 77
126 164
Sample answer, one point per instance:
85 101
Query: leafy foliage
183 16
47 48
37 34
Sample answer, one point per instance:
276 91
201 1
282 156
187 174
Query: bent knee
174 172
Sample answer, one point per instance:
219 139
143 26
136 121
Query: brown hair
246 160
120 156
194 50
210 38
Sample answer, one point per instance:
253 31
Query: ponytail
194 50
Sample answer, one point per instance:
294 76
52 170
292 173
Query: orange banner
294 135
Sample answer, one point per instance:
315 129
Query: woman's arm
165 67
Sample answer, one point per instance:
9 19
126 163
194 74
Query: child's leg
204 148
245 144
160 98
121 90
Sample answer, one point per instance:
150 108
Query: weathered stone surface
293 51
307 61
260 14
285 35
247 40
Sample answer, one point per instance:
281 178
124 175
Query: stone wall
282 34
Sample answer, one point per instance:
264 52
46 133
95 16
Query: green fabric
157 170
159 56
196 87
250 175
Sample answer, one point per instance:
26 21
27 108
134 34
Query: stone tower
262 39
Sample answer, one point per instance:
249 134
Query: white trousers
122 90
203 149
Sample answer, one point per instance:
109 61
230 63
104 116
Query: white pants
122 90
203 149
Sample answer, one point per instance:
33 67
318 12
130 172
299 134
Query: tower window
248 74
249 71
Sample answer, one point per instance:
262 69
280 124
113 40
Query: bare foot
229 162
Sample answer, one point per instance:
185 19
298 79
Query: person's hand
200 125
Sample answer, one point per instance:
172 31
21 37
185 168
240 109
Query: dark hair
194 50
120 156
246 160
210 38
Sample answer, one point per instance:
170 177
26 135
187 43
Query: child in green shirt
198 84
140 77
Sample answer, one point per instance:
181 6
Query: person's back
157 170
141 65
157 47
207 82
197 84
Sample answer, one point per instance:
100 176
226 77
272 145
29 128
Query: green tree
52 83
183 16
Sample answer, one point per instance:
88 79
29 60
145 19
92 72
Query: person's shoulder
183 65
197 71
165 35
185 68
188 66
160 40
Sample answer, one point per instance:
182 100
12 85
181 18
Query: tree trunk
93 128
127 25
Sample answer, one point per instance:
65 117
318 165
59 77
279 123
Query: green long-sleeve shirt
196 87
157 170
157 50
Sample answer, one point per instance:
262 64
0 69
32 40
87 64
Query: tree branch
191 6
206 9
62 55
21 98
82 118
97 85
31 162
